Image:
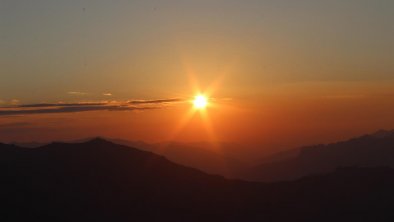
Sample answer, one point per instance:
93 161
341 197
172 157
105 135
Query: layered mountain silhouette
366 151
376 149
197 155
102 181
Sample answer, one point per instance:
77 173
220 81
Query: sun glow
200 102
198 110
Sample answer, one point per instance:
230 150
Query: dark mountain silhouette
195 155
29 144
281 156
370 150
101 181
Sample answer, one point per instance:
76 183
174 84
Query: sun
200 102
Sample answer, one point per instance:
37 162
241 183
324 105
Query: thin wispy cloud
76 93
48 108
15 124
157 101
38 105
14 101
107 94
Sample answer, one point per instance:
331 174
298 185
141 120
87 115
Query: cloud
15 124
38 105
107 94
76 93
157 101
48 108
14 101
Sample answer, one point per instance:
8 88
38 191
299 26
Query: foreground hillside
102 181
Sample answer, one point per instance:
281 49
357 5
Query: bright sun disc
200 102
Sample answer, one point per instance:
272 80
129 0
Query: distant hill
370 150
102 181
29 144
99 180
196 155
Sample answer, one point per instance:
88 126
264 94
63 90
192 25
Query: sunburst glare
200 102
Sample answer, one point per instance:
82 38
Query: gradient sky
291 72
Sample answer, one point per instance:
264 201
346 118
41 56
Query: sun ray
210 130
182 123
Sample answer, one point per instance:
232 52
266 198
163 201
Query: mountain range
227 161
98 180
371 150
375 149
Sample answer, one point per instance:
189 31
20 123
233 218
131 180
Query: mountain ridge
99 180
366 150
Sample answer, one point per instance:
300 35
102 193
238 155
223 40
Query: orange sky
279 118
281 73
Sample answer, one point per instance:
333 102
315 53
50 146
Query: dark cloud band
157 101
48 108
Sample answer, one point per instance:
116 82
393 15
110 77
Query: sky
280 74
